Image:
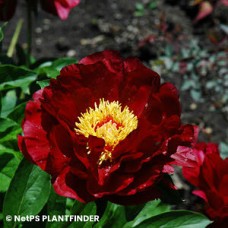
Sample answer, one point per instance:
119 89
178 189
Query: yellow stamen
109 122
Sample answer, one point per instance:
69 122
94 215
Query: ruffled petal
34 142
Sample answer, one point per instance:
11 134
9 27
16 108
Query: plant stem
2 28
14 39
29 32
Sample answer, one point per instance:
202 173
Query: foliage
140 8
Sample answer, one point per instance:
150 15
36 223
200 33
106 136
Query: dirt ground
95 26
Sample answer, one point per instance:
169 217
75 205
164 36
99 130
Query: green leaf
187 85
9 139
169 52
151 209
1 31
8 135
114 216
211 84
223 146
139 6
28 192
88 209
56 205
81 211
8 165
5 149
0 103
18 113
77 207
69 205
177 219
153 5
1 217
5 124
48 71
52 69
132 211
14 77
196 95
62 62
43 83
8 103
1 35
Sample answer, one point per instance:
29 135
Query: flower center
107 121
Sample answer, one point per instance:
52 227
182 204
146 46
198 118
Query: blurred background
185 41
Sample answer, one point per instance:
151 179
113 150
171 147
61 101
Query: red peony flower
60 8
209 173
7 9
105 128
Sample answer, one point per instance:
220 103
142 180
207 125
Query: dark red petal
153 111
95 148
185 137
96 145
169 97
34 143
139 71
192 175
78 93
208 177
49 6
68 185
61 103
103 81
72 71
223 187
139 83
170 126
145 177
131 163
138 99
60 152
78 169
112 56
81 152
212 148
116 183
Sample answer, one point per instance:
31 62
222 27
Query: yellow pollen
107 121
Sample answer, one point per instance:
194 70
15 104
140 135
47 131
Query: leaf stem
15 38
